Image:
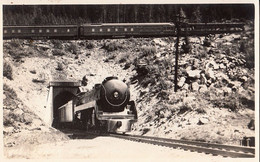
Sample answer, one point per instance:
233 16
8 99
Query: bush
231 101
90 45
148 50
124 57
242 47
57 43
186 47
200 110
40 78
33 71
9 92
206 42
18 54
38 81
112 46
248 49
73 48
59 66
16 43
58 52
184 108
8 71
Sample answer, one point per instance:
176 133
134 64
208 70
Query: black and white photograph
159 81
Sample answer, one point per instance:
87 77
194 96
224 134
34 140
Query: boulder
181 82
186 87
168 83
203 120
196 63
243 78
194 74
203 88
37 122
8 130
193 120
210 74
18 112
212 64
227 90
227 44
203 79
195 86
222 66
188 69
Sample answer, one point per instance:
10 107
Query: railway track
193 146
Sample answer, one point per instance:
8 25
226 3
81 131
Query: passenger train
117 30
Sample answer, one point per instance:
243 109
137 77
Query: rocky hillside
214 101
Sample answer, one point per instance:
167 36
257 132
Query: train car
117 30
211 28
39 32
106 107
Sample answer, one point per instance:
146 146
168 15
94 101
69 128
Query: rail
195 146
208 148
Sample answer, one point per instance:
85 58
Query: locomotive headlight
116 94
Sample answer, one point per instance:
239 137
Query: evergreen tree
196 15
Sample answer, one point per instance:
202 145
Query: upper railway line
118 30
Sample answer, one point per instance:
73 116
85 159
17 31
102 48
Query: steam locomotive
106 107
117 30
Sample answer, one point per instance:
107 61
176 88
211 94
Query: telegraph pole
177 50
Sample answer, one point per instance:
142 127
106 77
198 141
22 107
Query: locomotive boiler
106 107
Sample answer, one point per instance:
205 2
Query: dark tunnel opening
60 100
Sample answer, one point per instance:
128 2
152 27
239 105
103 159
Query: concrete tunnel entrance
60 92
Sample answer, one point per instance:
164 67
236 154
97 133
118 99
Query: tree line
80 14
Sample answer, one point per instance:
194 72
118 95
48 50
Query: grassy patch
16 43
9 92
8 71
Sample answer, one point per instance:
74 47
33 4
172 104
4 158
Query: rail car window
93 30
47 30
55 30
116 29
68 30
40 30
132 29
13 31
125 29
5 31
19 30
32 31
108 29
100 30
